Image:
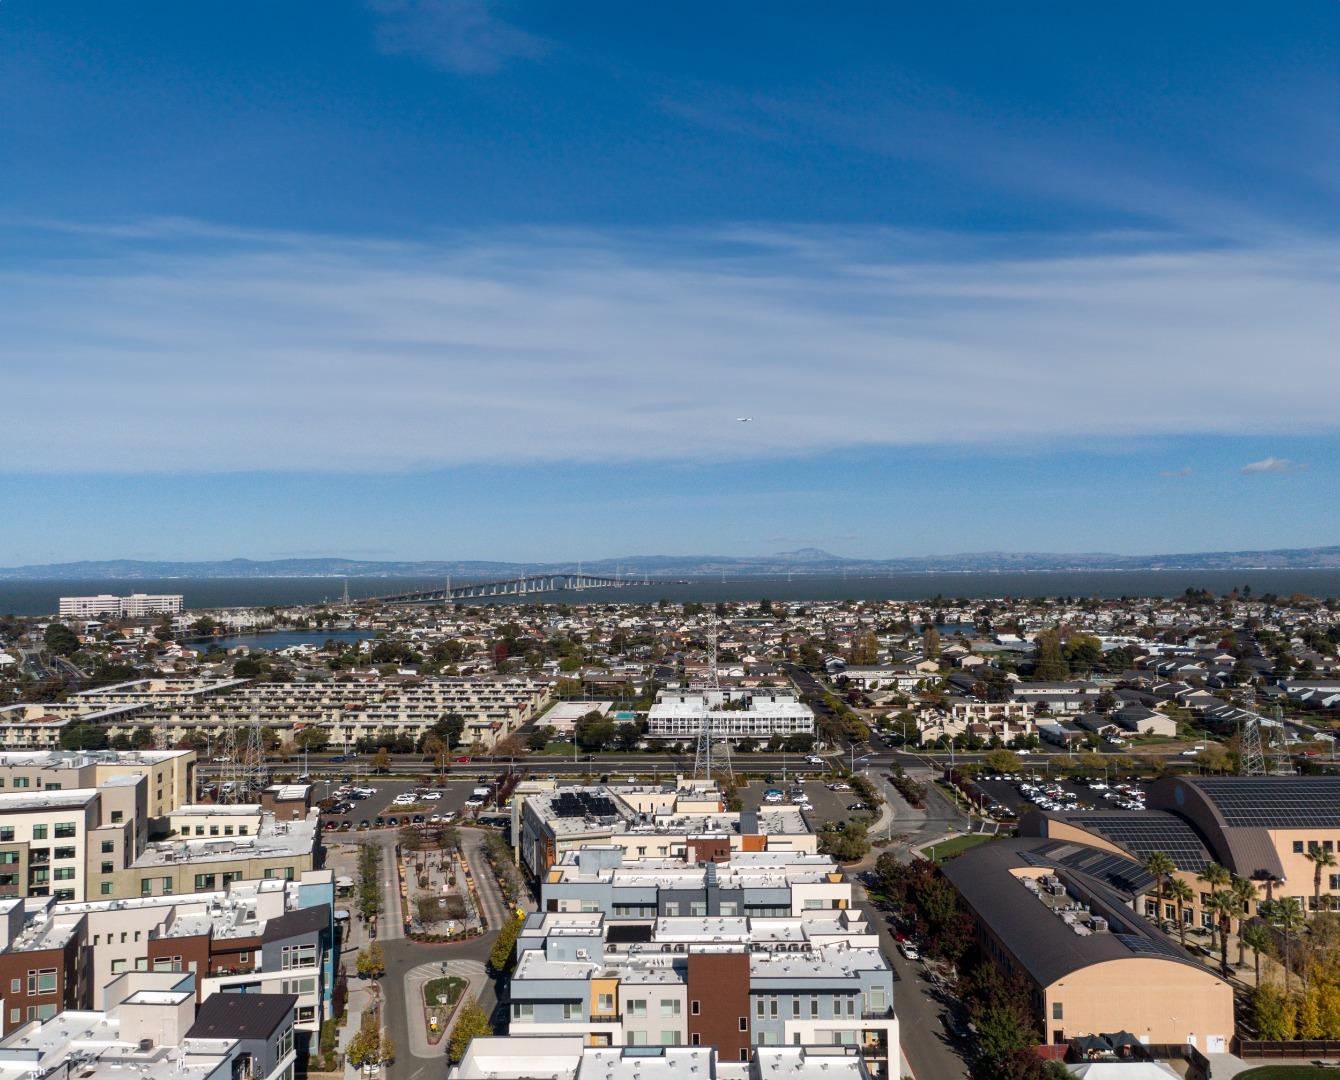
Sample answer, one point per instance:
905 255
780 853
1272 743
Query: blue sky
445 278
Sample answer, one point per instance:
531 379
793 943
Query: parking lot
824 805
381 804
1116 793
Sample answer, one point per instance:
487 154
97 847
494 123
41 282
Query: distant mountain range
809 561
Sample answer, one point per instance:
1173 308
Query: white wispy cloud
468 37
209 350
1274 465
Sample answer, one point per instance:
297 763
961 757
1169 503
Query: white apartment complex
733 714
134 606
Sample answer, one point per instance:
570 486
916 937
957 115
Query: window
244 957
877 999
108 847
296 956
146 887
813 904
107 868
695 1007
1058 1012
795 1007
744 1053
670 1007
242 830
64 894
729 908
814 1005
669 1037
118 966
105 889
285 1044
672 907
42 981
1335 881
9 858
523 1010
65 830
6 833
64 873
637 1038
698 907
636 1006
204 881
39 832
15 986
9 879
22 781
744 1023
14 1016
64 853
118 816
693 1038
572 1010
1298 847
305 1012
213 830
298 986
605 1003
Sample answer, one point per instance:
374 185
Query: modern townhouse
648 821
150 1025
256 937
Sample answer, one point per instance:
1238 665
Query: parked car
909 950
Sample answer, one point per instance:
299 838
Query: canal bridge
570 581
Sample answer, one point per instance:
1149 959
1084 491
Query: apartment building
730 983
170 774
150 1025
266 936
569 1058
351 712
732 714
710 880
134 606
649 821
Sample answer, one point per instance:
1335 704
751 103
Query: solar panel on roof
1150 946
1275 801
1141 835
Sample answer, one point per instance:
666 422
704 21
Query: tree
1216 877
504 947
1321 859
1160 867
1051 665
312 739
1286 915
1257 938
371 962
60 639
627 735
381 760
1002 761
1182 895
1222 906
454 725
594 731
930 643
847 843
539 738
1273 1014
472 1022
83 737
1243 891
247 667
388 1049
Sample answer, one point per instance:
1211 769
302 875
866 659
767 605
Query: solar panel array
1150 946
1275 801
579 804
1113 870
1141 834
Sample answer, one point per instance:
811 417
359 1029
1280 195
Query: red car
463 761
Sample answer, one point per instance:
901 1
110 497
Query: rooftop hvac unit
1099 924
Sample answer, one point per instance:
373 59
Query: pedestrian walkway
472 971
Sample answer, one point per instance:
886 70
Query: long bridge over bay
570 581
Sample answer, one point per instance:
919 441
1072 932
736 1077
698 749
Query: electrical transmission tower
1281 758
702 758
246 770
1251 755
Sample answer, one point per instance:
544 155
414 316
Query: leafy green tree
594 731
504 946
83 737
1002 761
1051 665
1321 859
1160 867
1257 938
312 739
60 639
539 738
472 1022
627 736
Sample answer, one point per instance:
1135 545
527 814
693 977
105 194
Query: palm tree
1216 877
1257 938
1160 867
1286 915
1223 907
1182 894
1320 858
1243 891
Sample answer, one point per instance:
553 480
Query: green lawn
443 991
958 845
1285 1072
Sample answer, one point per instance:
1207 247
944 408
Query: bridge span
573 581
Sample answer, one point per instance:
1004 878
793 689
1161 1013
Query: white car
909 950
431 796
815 759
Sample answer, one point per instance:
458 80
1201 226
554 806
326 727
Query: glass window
65 830
1058 1012
118 816
105 889
204 881
6 833
636 1006
64 853
39 832
108 847
146 887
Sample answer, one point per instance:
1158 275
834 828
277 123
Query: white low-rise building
732 714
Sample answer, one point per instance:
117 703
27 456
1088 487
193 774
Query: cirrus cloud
1274 465
174 347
